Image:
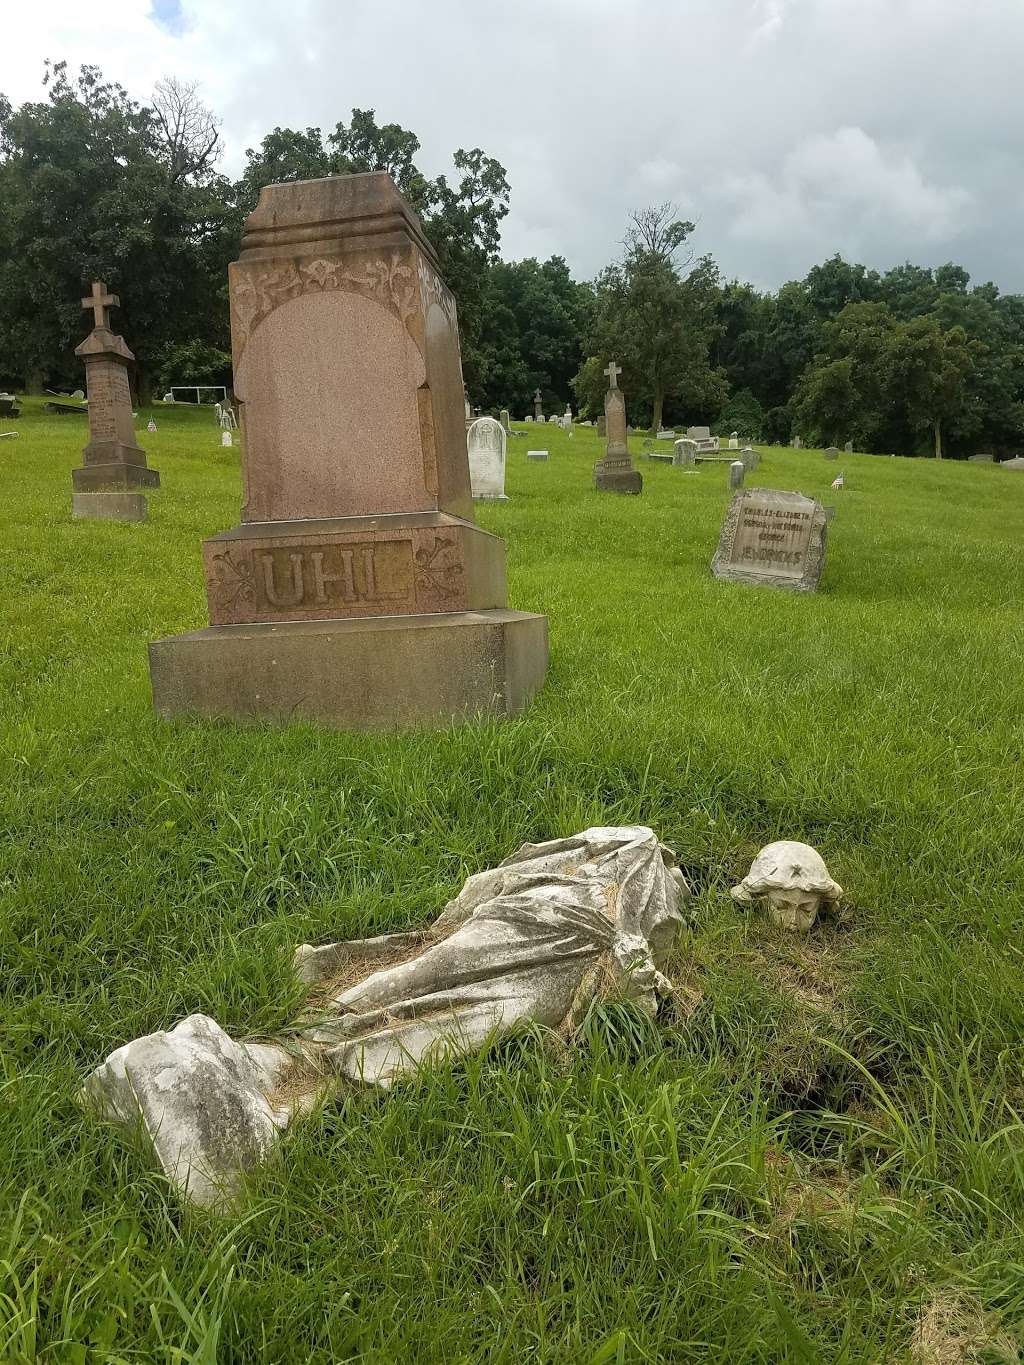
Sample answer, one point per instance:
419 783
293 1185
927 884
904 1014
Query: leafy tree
90 188
656 316
743 413
533 317
885 382
284 155
931 370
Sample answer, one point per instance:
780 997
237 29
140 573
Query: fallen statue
536 938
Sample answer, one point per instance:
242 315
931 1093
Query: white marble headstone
486 443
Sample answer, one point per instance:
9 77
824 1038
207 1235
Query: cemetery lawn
816 1155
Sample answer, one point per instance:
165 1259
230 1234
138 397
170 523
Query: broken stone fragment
202 1100
535 939
793 881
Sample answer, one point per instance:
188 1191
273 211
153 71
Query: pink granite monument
357 590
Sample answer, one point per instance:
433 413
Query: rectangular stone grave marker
357 590
685 453
114 465
831 452
736 472
848 447
774 538
536 454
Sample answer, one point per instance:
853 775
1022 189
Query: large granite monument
114 467
774 538
357 590
615 473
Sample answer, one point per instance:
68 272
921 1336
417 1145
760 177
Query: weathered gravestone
506 421
538 407
773 538
536 454
706 443
736 471
357 590
615 473
602 427
114 469
487 444
751 458
685 455
734 441
848 447
981 459
1016 463
831 452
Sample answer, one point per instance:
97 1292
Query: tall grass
814 1143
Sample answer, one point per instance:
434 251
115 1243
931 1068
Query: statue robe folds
536 938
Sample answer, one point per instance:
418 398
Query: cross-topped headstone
613 371
114 469
99 301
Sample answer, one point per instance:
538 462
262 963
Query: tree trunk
938 439
659 403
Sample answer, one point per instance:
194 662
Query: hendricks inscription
774 538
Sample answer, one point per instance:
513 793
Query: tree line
97 185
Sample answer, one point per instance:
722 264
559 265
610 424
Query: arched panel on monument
444 371
329 382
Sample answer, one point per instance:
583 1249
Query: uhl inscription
353 574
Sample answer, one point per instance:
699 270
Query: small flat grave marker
774 538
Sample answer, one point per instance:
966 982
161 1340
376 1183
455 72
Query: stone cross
99 301
612 371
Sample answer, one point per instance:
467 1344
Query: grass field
816 1156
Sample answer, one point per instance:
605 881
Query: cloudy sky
788 129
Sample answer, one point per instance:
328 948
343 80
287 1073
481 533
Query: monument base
617 479
109 506
362 674
96 478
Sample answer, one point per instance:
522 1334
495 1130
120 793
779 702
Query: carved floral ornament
257 289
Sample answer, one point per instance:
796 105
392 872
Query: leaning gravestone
831 452
685 456
357 591
487 444
107 486
615 473
773 538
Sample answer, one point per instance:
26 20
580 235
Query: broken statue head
794 882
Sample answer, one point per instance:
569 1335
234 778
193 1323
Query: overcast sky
886 130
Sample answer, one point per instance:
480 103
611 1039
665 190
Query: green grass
820 1142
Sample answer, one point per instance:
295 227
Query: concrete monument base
618 480
94 478
109 506
368 673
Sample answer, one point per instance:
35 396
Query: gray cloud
789 129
